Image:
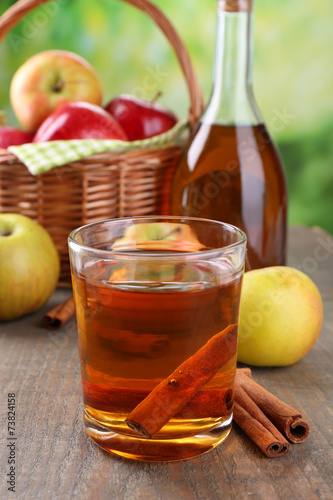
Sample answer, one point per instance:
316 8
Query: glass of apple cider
157 306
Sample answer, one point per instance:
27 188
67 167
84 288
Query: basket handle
17 11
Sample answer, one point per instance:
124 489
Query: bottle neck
232 100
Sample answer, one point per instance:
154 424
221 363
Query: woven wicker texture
102 186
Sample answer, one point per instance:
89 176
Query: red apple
10 136
48 80
139 118
79 120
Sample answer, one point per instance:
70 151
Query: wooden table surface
56 460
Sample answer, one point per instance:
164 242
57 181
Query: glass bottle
230 170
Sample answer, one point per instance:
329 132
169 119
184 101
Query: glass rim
166 254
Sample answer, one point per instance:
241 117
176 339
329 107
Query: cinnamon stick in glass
288 420
213 402
59 315
172 394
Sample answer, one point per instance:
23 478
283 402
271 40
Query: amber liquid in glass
133 334
234 174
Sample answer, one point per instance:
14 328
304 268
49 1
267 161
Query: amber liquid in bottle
237 179
230 170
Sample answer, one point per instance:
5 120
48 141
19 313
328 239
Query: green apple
49 79
29 266
281 315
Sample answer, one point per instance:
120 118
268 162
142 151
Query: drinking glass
157 306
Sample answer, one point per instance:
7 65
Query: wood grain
56 460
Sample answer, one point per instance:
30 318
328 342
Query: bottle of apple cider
230 170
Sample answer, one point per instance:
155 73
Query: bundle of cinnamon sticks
269 422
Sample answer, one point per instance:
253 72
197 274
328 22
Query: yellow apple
29 266
48 80
281 315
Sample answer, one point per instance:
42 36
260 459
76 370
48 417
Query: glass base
157 449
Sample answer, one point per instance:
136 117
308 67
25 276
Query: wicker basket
101 186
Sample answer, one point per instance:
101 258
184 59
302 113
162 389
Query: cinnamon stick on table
288 420
59 315
257 426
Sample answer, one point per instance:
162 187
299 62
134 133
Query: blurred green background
293 72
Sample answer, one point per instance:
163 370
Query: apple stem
58 86
2 118
6 233
157 96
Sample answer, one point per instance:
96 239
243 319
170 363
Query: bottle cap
235 5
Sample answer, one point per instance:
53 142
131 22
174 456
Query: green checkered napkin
41 157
